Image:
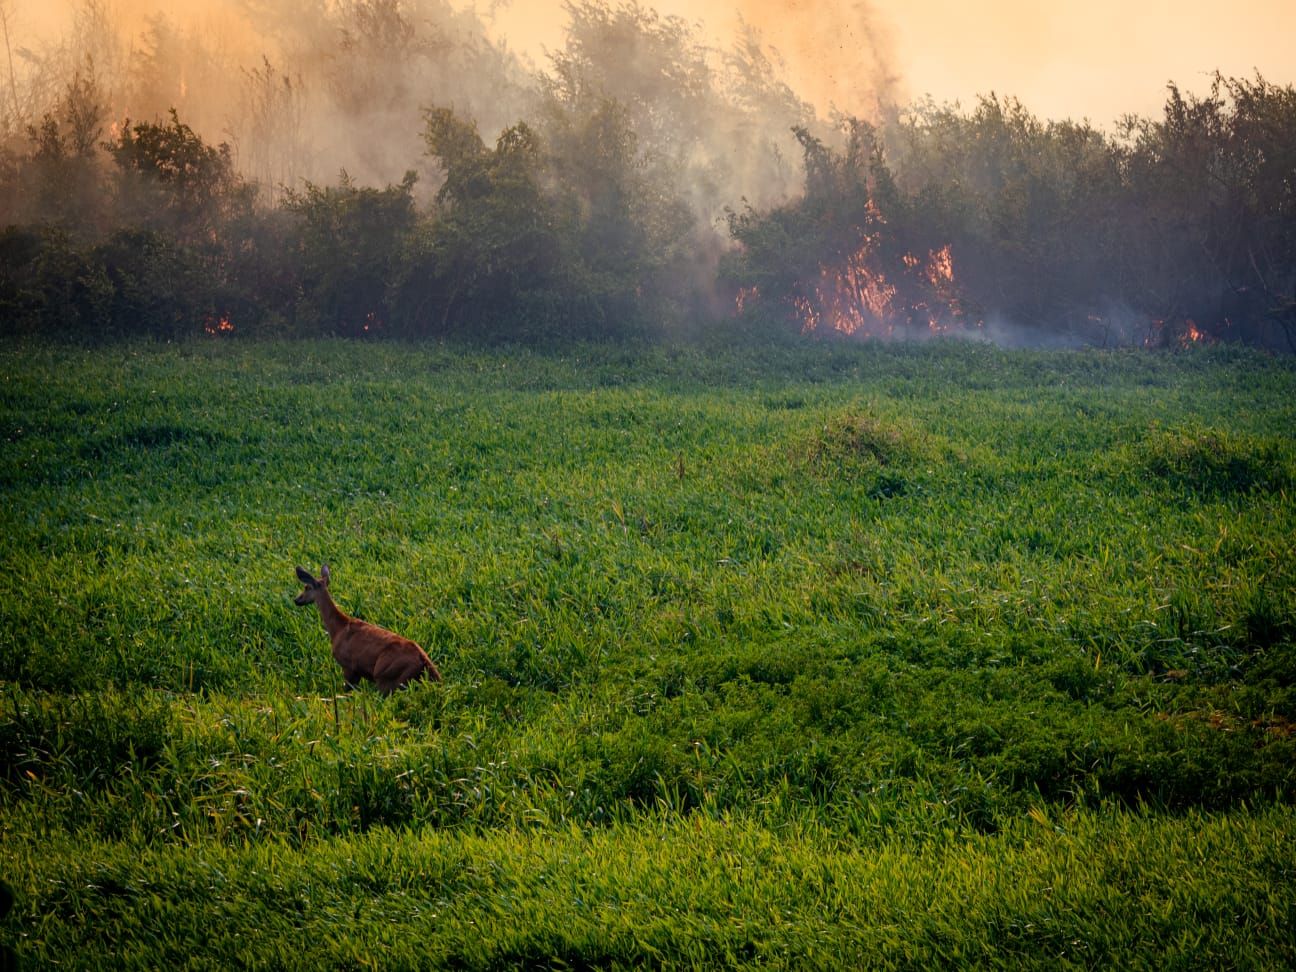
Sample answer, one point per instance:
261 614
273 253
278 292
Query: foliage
558 235
595 204
348 243
169 179
62 178
1032 210
1218 170
494 252
633 236
157 286
1172 231
48 284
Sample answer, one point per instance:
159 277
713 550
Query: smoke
838 55
303 89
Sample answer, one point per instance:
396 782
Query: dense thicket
601 212
1169 231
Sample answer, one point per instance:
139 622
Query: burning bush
838 261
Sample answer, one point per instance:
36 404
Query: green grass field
808 656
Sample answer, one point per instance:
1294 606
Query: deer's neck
333 618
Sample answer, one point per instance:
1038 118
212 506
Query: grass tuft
1215 463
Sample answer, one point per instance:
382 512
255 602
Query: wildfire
1191 334
857 297
217 326
854 297
1160 334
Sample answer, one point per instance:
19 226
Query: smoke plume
304 89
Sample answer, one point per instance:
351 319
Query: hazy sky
1097 59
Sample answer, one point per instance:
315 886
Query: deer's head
313 587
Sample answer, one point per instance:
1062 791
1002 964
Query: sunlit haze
1097 60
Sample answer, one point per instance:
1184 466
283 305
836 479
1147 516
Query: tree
632 232
64 178
169 179
489 262
347 245
1213 179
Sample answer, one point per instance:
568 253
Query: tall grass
1075 889
918 654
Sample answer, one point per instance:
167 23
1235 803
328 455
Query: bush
50 286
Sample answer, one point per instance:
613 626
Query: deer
364 650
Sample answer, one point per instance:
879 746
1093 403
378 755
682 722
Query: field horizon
775 656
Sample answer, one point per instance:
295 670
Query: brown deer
365 650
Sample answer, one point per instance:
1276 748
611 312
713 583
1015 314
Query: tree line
1168 231
603 213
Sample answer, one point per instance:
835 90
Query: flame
808 314
1191 334
857 297
860 296
216 326
851 297
1162 334
940 267
870 289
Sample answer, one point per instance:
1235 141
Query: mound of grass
860 448
851 438
1215 463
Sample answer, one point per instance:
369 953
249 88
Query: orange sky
1096 59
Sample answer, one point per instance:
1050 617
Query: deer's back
382 655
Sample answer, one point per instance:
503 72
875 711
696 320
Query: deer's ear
304 576
324 574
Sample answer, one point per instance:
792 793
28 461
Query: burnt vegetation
639 183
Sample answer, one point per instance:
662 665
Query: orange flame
940 267
856 297
216 326
1161 334
1191 334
